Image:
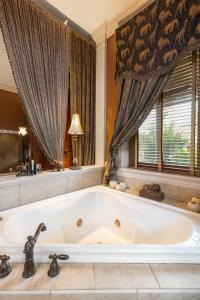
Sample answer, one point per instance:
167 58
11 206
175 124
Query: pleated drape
136 100
83 93
37 46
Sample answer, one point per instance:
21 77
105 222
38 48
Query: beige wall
112 90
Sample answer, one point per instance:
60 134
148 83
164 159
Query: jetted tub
103 225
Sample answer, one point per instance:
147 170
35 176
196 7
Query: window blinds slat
197 137
176 121
177 116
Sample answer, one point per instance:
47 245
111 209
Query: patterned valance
151 42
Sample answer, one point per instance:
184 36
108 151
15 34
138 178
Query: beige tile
8 296
56 186
124 276
92 179
41 281
9 197
34 295
75 182
179 204
168 294
75 276
186 194
20 295
72 276
32 191
15 281
177 275
95 295
135 185
171 191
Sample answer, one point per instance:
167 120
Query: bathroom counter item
99 224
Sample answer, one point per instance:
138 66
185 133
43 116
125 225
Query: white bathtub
148 231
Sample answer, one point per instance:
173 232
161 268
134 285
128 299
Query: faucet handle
63 257
5 268
54 268
4 257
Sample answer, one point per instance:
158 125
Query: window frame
161 166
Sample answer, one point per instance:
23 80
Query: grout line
94 276
154 275
19 194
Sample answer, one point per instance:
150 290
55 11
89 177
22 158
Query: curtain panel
83 93
37 46
148 47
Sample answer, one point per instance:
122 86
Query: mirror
15 148
11 116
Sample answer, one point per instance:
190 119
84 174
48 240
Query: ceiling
89 14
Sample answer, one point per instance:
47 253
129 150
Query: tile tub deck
104 282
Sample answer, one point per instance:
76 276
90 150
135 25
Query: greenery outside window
169 139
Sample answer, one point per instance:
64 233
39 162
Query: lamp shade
75 127
22 131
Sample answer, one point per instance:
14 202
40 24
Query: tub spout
29 265
41 227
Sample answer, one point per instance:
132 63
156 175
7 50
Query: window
169 139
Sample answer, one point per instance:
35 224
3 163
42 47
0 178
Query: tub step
137 294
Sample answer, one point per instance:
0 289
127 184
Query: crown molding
100 35
7 88
110 26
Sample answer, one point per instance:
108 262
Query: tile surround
172 192
20 191
105 282
124 276
72 276
9 197
57 186
140 294
178 294
185 194
32 192
177 275
75 183
94 295
15 281
92 179
24 295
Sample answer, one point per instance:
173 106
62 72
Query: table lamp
75 130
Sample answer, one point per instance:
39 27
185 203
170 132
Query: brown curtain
37 46
137 98
82 93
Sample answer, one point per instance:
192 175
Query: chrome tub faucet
29 265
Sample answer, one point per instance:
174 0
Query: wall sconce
75 130
25 144
22 131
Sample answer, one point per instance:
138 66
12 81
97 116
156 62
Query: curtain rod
134 13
